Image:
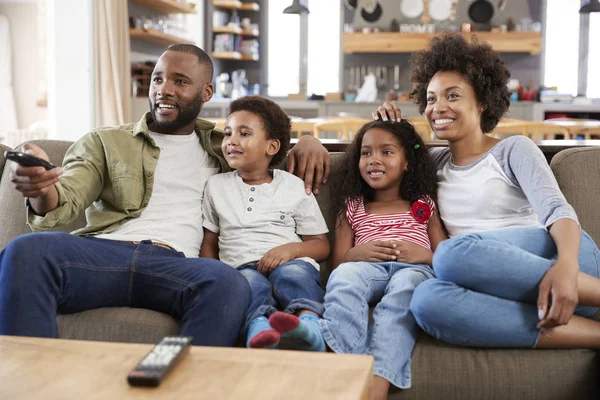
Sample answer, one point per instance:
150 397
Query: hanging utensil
372 11
425 16
481 11
396 77
351 4
501 4
411 8
440 10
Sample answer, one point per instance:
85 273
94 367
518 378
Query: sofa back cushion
13 217
577 172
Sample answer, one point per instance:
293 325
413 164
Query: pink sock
264 339
283 322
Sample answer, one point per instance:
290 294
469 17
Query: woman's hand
388 111
309 159
375 251
275 257
559 283
412 253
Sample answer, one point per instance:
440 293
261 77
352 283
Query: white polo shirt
253 219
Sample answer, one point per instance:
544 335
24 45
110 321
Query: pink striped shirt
397 226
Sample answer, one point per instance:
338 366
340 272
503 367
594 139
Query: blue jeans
487 287
292 286
45 273
351 289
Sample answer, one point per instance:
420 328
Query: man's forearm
44 204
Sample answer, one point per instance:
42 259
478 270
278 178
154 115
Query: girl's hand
275 257
376 251
560 283
412 253
388 111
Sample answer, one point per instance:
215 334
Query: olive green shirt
109 174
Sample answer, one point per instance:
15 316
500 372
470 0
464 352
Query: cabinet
145 29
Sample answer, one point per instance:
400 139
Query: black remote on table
159 361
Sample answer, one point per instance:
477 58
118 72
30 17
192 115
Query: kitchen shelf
250 32
396 42
227 55
166 6
249 57
227 29
157 37
235 5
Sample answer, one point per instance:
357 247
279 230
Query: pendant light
589 6
297 7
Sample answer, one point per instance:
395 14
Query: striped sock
301 333
261 335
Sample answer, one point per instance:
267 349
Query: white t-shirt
510 186
253 219
174 213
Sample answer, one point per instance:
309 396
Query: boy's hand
375 251
275 257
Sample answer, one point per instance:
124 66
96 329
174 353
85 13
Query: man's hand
275 257
375 251
560 282
310 161
411 253
34 182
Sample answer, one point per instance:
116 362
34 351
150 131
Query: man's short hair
203 58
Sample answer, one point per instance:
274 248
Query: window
561 65
322 58
593 78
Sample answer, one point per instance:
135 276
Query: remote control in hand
159 361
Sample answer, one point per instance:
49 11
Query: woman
518 270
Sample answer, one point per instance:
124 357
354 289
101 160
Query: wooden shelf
250 32
157 37
227 55
249 57
235 5
227 29
395 42
166 6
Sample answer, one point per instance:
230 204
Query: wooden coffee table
34 368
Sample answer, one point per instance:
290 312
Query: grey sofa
440 371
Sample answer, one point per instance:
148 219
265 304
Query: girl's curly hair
477 62
419 180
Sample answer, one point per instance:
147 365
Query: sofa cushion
3 148
117 324
442 371
577 171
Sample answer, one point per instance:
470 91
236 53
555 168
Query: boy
261 221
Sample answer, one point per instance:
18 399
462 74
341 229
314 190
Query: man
142 187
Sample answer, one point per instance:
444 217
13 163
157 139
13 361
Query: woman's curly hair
275 121
419 179
477 62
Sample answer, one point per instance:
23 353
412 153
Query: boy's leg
210 298
256 331
395 330
45 273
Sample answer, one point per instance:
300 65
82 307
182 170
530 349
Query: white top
174 213
251 220
510 186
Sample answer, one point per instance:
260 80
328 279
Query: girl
518 263
385 233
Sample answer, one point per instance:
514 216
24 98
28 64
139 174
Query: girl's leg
352 287
256 331
464 317
395 330
510 263
297 290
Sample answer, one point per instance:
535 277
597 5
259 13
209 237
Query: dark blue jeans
294 285
42 274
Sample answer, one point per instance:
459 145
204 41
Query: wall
524 67
23 19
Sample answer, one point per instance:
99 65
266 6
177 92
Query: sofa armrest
3 148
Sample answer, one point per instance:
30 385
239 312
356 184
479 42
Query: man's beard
184 116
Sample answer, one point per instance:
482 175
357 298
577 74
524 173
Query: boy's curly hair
477 62
419 179
275 121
